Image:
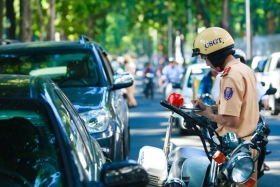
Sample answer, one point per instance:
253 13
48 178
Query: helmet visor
196 52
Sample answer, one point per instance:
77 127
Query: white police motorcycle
225 160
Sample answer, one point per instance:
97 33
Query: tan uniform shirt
238 97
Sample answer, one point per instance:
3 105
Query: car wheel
275 112
126 144
272 103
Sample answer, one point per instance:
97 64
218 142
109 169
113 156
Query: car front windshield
67 69
29 152
196 74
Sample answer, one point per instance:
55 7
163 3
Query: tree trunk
91 26
41 18
225 15
51 14
1 18
25 21
10 14
203 12
270 23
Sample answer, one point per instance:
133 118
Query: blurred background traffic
152 40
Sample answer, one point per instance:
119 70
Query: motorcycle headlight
96 120
174 182
240 167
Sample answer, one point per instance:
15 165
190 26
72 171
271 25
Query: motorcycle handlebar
200 120
193 119
172 108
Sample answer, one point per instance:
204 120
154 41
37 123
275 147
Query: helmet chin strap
218 58
217 62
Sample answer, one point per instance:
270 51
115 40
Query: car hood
86 98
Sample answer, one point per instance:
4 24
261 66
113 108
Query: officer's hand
207 111
198 104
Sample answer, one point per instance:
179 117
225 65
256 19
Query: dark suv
84 73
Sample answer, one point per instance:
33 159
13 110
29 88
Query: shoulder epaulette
225 72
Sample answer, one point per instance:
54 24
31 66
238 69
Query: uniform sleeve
231 96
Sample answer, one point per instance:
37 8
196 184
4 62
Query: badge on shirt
228 92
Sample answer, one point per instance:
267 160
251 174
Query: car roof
23 86
42 46
198 65
275 54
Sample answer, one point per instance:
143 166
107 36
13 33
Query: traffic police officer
237 102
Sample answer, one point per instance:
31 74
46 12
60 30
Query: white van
190 83
191 80
271 77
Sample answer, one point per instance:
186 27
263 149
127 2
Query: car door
73 131
92 151
118 101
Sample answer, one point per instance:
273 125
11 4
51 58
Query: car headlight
240 167
96 120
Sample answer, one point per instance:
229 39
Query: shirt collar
235 61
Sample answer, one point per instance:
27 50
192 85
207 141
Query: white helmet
240 54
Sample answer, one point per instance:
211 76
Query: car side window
106 64
267 65
278 63
196 74
29 146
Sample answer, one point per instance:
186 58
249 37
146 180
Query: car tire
275 112
126 144
273 104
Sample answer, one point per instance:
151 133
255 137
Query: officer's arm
226 120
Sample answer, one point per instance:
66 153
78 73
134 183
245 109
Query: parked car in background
259 69
271 77
190 83
44 142
84 73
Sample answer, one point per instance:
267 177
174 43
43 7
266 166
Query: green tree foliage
127 25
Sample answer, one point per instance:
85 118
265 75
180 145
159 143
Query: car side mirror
124 174
271 91
122 80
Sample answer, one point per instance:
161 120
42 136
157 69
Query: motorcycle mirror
271 91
